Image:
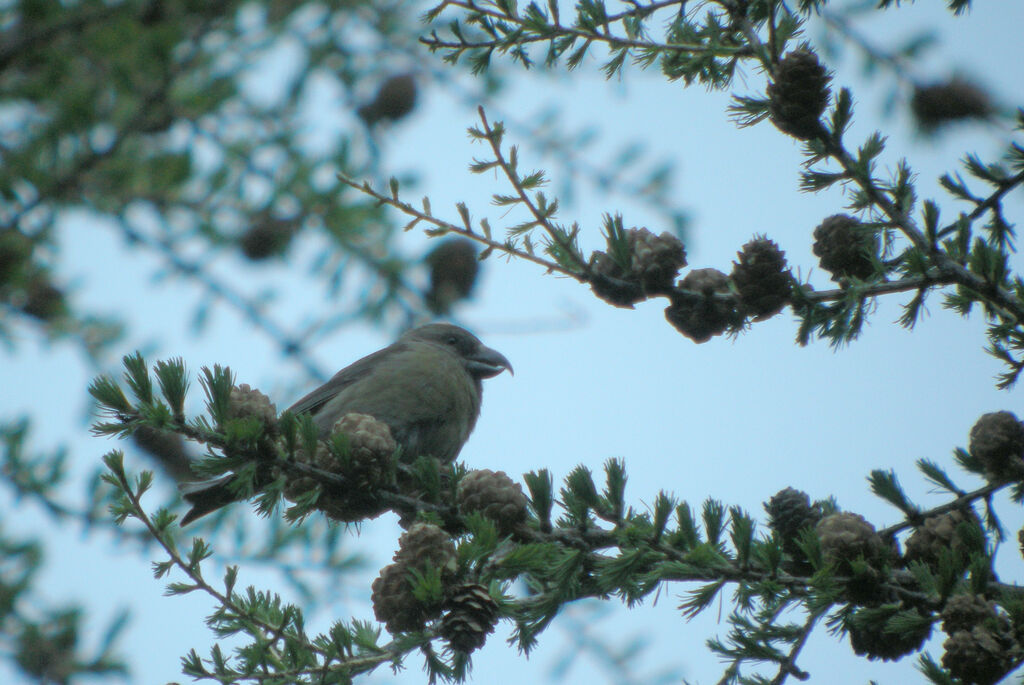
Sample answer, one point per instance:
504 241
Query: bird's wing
355 371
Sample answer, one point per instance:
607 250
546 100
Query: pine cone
248 402
706 281
267 237
844 248
364 468
611 283
943 103
938 533
453 271
394 603
425 544
656 260
966 612
493 495
878 642
997 441
471 614
369 449
978 656
789 512
702 319
653 264
761 277
846 537
395 98
799 94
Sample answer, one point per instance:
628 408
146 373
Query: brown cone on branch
267 237
365 461
427 545
394 602
493 495
875 640
762 278
947 102
702 317
799 94
423 549
454 267
644 264
964 612
939 533
980 656
845 247
248 402
656 259
395 99
369 450
470 616
612 283
846 537
997 441
790 512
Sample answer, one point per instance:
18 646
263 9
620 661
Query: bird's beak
487 363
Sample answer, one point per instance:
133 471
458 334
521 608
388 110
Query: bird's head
480 361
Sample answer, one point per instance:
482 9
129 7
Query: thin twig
360 664
558 30
957 504
513 178
788 667
882 288
448 227
993 200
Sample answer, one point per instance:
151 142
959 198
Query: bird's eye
452 340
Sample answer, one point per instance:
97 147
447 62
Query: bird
426 386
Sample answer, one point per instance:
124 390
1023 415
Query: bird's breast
427 398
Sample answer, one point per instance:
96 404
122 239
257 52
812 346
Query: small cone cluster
247 402
798 95
362 452
650 265
845 247
493 495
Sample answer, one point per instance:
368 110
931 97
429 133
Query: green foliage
703 49
540 485
599 547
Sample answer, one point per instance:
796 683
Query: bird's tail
207 496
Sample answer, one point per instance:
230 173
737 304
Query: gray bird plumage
426 387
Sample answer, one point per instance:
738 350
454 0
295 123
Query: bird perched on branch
426 387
